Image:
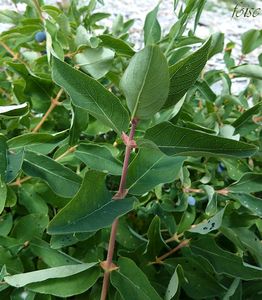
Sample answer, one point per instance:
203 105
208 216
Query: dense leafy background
190 227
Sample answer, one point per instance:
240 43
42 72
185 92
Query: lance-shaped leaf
51 257
28 140
15 161
3 155
175 140
250 202
152 29
99 158
90 95
20 280
252 71
248 183
145 82
67 286
155 240
251 39
246 116
149 168
62 180
131 282
197 271
95 61
91 209
223 261
3 194
14 111
62 281
120 46
209 225
185 72
80 120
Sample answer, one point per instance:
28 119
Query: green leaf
131 282
15 161
79 123
186 220
248 183
236 168
20 280
38 89
233 289
51 257
217 44
98 157
150 168
152 29
209 225
3 194
64 240
95 17
251 40
91 209
246 116
172 285
185 72
31 200
6 224
30 226
223 261
127 237
145 82
201 281
12 263
250 202
175 140
211 207
250 242
3 156
67 286
28 140
62 180
90 95
155 241
9 16
253 71
120 46
205 90
97 62
14 111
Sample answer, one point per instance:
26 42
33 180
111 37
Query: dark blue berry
191 200
40 36
220 168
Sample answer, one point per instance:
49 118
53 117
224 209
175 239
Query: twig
191 190
54 103
38 8
160 259
241 58
19 181
68 151
10 51
107 265
223 191
175 238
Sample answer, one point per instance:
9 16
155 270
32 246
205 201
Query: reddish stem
127 157
120 195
